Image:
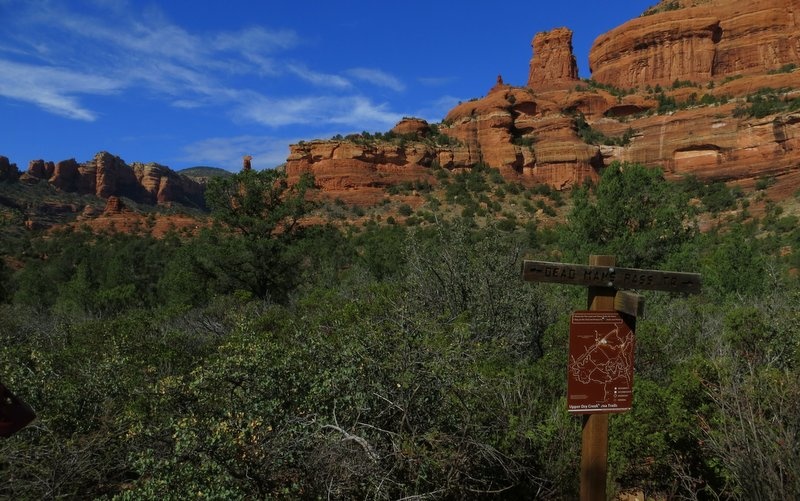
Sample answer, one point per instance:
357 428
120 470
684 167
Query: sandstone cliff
700 42
676 88
107 175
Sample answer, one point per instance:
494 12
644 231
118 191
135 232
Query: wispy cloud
53 89
317 78
148 51
361 110
435 111
319 110
377 77
256 39
227 152
55 57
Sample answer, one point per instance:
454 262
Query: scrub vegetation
262 358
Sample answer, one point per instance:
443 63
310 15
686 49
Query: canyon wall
671 88
700 42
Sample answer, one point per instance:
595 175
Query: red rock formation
107 175
340 166
41 169
412 126
730 48
114 205
709 41
65 175
162 185
553 65
114 177
500 86
713 146
8 171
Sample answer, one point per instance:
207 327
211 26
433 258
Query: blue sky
186 83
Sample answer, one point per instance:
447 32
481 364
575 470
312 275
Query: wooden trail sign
611 276
603 281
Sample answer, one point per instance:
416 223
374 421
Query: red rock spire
553 65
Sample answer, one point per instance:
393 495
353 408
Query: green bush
767 102
653 221
592 136
390 362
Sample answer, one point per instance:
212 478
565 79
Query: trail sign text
611 276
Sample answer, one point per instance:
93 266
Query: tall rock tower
553 65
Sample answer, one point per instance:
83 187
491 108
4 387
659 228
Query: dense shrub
388 362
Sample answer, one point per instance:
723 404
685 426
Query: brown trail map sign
600 367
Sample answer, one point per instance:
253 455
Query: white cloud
187 104
113 48
227 152
360 110
377 77
131 45
256 39
320 110
17 51
317 78
52 88
112 5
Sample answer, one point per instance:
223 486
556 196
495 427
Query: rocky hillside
709 88
90 194
107 175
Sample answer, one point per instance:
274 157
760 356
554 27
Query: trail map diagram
600 369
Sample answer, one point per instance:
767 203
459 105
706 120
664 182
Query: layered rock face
359 172
561 131
700 43
107 175
525 135
163 185
712 146
553 65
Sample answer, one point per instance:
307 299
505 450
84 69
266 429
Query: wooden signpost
600 368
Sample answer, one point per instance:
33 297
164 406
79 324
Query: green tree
737 264
5 279
259 203
100 274
250 248
633 213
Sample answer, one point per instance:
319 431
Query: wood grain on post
594 445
